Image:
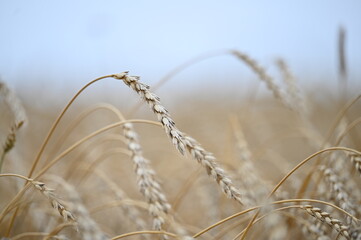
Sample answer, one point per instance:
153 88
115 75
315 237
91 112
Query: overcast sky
71 42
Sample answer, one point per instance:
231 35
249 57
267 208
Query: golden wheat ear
147 184
326 217
180 140
49 194
338 190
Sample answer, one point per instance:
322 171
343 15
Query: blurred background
61 45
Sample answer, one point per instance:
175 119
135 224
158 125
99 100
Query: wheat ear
314 230
16 108
338 190
49 193
147 183
356 160
292 90
14 104
326 217
88 228
181 141
256 187
129 210
278 93
355 234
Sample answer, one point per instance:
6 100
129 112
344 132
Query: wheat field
281 167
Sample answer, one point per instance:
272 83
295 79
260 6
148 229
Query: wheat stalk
180 140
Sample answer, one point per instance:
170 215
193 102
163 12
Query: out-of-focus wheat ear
129 210
49 193
256 189
180 140
278 93
88 228
148 185
292 90
356 160
326 218
314 230
19 115
338 190
14 104
355 233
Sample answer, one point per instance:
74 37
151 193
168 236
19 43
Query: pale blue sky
63 41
